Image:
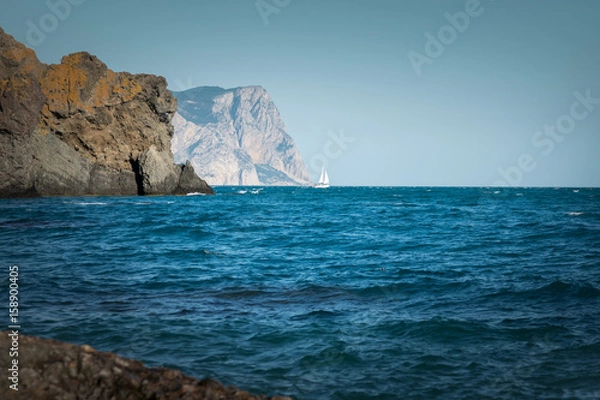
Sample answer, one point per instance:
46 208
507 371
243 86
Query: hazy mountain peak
236 137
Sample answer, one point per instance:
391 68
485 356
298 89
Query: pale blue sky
333 65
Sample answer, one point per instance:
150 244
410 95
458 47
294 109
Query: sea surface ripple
344 293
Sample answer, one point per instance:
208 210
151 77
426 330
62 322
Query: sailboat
323 180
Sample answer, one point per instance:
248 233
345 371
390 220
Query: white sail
322 178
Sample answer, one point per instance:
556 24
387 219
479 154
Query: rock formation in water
236 137
47 369
78 128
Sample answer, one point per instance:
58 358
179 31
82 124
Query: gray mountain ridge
236 137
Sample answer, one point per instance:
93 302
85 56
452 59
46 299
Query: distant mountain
236 137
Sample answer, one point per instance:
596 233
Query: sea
341 293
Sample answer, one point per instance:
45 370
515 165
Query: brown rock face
78 128
52 370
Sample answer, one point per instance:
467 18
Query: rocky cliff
78 128
236 137
47 369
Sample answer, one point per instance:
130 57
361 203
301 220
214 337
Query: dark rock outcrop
78 128
52 370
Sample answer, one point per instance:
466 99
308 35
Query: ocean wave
241 293
317 314
439 329
556 289
577 289
345 294
330 357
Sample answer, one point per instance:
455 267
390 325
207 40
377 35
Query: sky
384 92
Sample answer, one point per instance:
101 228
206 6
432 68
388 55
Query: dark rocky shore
48 369
78 128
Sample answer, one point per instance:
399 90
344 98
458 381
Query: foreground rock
78 128
236 137
60 371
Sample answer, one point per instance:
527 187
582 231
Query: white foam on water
195 194
575 213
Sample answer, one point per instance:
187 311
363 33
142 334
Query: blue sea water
344 293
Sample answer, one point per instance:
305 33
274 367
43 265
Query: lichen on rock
78 128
